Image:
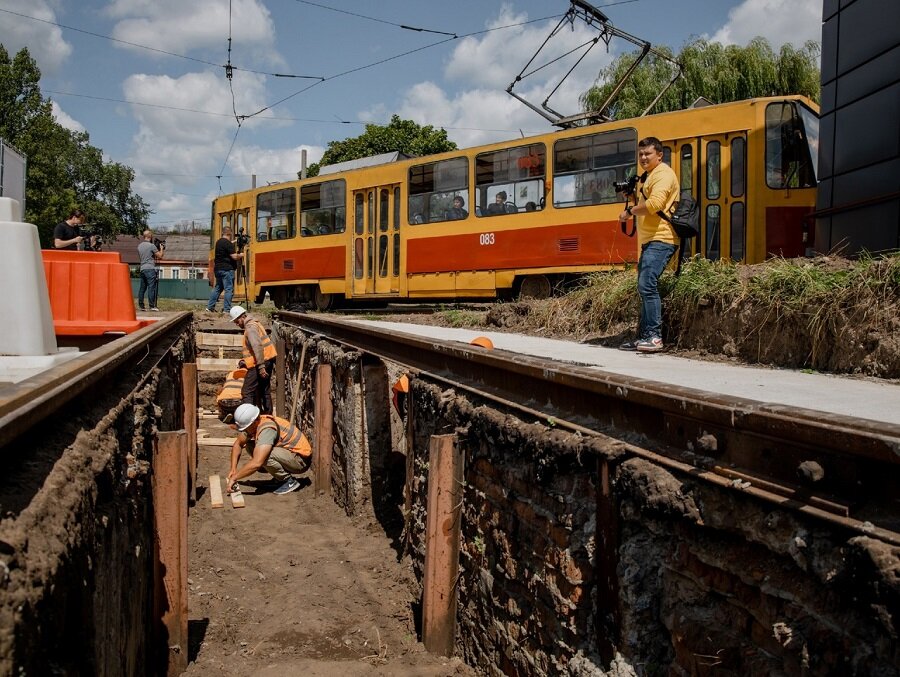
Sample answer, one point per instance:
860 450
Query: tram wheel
535 287
322 301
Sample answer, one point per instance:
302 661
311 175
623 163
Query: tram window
738 166
382 255
519 172
667 155
433 186
358 258
789 151
384 205
275 214
358 214
737 231
713 218
713 170
322 208
585 167
397 208
369 247
687 167
396 254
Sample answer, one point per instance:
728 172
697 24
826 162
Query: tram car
521 217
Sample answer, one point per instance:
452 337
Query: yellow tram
535 211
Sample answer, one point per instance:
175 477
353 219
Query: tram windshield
792 146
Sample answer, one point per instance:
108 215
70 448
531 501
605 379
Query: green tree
63 169
717 72
404 136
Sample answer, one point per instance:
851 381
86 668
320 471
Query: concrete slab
846 395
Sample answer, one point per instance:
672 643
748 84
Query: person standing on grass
259 360
149 254
226 259
658 192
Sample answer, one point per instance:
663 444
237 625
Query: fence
177 289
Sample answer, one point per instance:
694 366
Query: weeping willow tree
717 72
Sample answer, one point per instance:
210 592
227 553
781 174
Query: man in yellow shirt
658 190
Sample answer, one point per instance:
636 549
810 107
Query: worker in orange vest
275 445
259 360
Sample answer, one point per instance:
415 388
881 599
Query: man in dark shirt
224 267
65 234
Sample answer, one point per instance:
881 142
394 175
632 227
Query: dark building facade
859 161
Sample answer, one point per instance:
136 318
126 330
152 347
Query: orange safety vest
269 352
233 384
289 436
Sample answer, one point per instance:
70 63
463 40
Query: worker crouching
274 444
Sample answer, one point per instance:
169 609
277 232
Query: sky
146 79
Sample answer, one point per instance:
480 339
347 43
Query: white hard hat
244 416
236 312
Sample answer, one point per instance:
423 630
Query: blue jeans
149 286
224 281
654 258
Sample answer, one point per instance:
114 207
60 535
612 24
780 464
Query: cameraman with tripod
66 234
225 264
150 251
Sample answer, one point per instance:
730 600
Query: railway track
831 467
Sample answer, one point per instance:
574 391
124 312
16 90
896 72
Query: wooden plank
237 499
442 529
209 340
170 589
216 364
279 374
324 423
189 392
215 441
215 492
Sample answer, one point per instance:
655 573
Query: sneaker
154 309
650 345
290 484
629 345
142 309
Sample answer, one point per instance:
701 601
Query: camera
91 241
159 244
241 240
627 186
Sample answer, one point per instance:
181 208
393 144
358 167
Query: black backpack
685 220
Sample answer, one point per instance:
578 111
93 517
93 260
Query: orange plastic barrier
90 293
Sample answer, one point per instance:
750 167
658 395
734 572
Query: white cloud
482 111
779 21
67 120
178 26
44 41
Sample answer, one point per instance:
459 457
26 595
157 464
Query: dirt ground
289 585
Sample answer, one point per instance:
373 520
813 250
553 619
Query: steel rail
743 442
24 404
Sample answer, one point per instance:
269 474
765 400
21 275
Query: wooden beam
216 364
215 492
324 423
210 340
170 587
237 499
442 529
189 395
279 375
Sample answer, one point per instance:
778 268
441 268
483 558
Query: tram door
723 196
376 240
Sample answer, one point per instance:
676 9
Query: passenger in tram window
499 205
458 210
530 206
657 191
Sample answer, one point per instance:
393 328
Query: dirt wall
576 559
77 532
